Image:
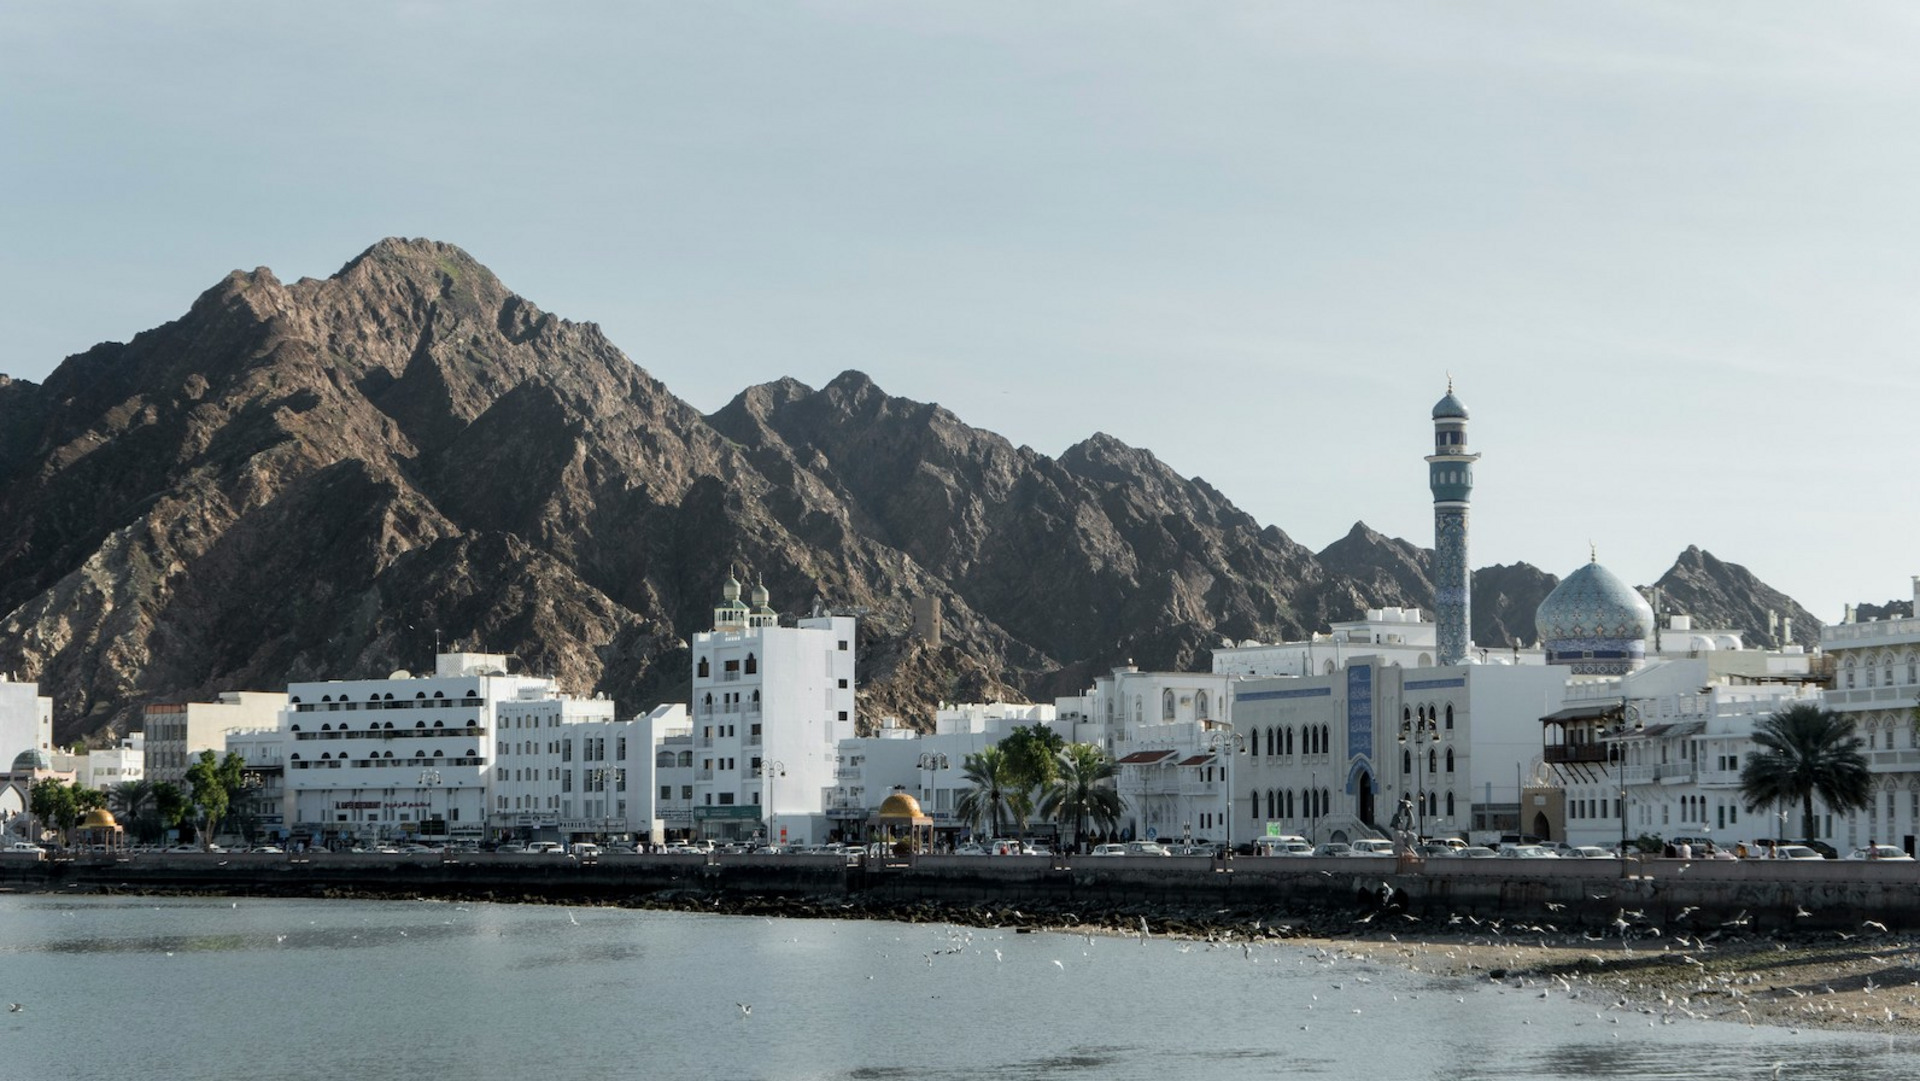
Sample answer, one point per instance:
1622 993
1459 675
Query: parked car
512 846
1826 850
1146 848
1796 852
1590 852
1370 846
1113 849
971 848
587 850
547 848
1526 852
1475 852
1332 848
1879 852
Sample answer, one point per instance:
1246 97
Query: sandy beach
1865 982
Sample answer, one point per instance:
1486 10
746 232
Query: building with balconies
405 756
1876 683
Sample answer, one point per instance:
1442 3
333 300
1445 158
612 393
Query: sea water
203 988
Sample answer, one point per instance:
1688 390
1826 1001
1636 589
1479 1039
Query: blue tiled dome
32 759
1594 622
1449 406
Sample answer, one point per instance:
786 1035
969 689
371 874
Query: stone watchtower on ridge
1450 475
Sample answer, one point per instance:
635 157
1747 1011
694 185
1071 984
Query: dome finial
1593 552
1449 382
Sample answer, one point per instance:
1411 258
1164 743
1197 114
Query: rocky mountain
1718 594
1866 612
328 477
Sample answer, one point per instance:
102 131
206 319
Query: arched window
1433 762
1166 704
686 759
703 669
1406 714
1449 759
753 664
1449 716
1255 800
663 760
1139 709
1289 739
1449 804
1406 761
1200 702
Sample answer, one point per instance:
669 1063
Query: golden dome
900 805
99 819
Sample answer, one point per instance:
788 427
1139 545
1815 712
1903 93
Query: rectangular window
843 714
843 684
726 799
843 645
686 791
666 791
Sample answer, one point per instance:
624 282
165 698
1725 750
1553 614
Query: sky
1667 253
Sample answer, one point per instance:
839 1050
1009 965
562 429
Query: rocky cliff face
324 478
1718 594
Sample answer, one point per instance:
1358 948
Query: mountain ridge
321 479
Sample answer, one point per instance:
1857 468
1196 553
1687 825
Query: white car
1526 852
1146 848
1590 852
1879 852
1370 847
1796 852
547 848
1106 850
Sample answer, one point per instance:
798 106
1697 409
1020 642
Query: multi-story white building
402 756
770 707
1324 756
560 768
176 733
1876 682
661 791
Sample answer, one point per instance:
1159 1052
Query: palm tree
1806 749
134 802
991 776
1083 790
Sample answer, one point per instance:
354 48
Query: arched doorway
1542 828
1364 790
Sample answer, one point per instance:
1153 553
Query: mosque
1391 712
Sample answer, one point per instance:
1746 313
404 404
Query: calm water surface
202 988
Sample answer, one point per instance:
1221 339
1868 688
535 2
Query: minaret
1450 475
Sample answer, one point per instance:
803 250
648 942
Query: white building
1876 682
402 756
260 812
1325 759
560 768
176 733
26 719
108 766
662 792
929 767
770 707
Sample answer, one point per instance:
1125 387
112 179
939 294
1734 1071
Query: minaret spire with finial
1450 476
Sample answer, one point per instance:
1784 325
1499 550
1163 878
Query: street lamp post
1418 730
930 763
769 772
1233 743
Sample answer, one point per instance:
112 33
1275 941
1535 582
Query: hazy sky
1669 252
